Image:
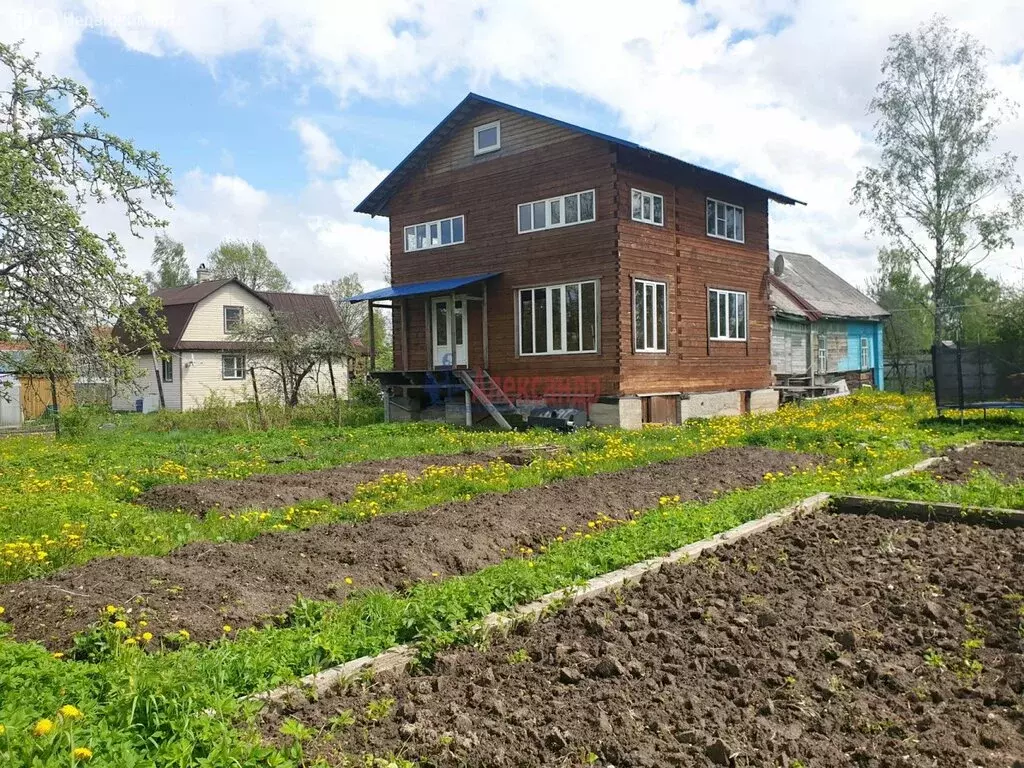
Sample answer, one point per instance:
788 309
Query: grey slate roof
818 287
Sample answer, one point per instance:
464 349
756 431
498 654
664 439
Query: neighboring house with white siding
201 358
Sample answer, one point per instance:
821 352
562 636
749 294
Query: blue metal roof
419 289
376 202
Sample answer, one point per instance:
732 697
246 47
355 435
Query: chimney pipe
203 274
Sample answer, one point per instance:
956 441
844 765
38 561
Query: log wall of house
681 254
487 192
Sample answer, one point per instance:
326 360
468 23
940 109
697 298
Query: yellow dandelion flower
147 636
43 727
81 754
2 611
227 628
70 712
57 655
120 625
184 633
348 580
130 641
111 610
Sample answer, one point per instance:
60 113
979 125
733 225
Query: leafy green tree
249 263
974 304
939 194
60 282
908 329
171 266
354 317
1009 325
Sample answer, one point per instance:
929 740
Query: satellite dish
780 265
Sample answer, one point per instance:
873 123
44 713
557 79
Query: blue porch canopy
420 289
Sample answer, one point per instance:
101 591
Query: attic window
233 318
487 138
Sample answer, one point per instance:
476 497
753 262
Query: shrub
366 392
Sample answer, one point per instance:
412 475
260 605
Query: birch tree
939 194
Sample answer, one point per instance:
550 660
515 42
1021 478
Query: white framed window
865 353
564 211
728 315
167 371
650 316
725 220
822 359
233 318
648 207
558 319
232 366
487 138
435 234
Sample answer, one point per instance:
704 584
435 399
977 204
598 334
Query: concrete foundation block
626 413
704 405
764 401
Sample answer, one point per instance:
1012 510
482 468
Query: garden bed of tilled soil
834 640
205 585
1005 461
337 484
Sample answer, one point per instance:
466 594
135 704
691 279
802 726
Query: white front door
441 329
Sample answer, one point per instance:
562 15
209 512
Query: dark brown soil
801 646
1006 462
204 585
337 484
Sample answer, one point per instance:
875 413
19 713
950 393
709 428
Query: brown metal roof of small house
376 202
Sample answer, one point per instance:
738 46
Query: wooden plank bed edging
399 657
927 511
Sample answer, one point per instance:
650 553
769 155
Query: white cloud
322 156
770 89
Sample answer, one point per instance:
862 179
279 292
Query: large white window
650 316
487 138
865 353
648 207
435 234
728 315
725 221
563 211
558 319
232 366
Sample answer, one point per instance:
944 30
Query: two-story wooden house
533 260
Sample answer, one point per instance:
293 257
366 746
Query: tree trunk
56 404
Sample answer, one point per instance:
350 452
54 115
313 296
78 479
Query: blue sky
278 116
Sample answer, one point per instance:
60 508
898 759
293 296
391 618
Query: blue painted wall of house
872 331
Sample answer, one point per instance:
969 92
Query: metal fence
978 376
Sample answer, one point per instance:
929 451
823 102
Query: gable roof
809 289
377 201
298 310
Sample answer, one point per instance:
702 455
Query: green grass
151 709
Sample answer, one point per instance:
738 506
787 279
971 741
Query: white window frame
661 322
564 340
646 196
167 367
428 226
239 368
558 202
714 333
865 353
741 220
238 322
822 358
477 149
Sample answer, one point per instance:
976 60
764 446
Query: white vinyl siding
207 321
727 311
725 221
648 207
232 367
435 234
558 319
650 316
562 211
487 138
